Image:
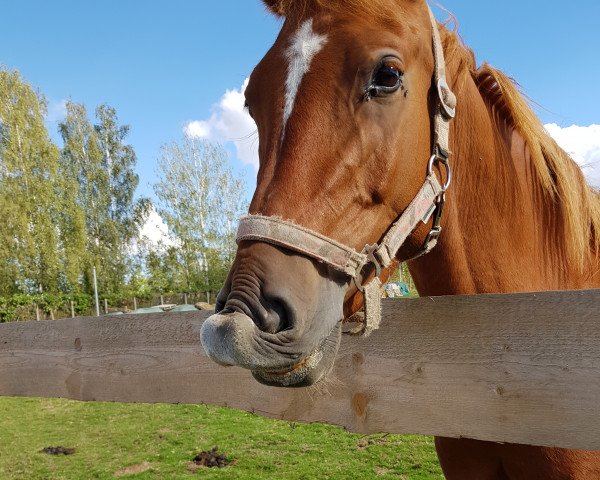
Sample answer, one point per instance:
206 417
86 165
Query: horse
357 104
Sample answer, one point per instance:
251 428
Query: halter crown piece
429 201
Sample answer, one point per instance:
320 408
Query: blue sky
163 64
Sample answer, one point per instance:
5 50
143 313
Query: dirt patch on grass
381 472
210 459
58 451
132 469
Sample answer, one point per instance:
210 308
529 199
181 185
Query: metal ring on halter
373 260
436 158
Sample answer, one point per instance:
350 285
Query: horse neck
493 239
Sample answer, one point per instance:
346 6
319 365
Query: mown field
160 441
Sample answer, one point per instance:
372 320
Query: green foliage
83 303
30 250
9 306
201 200
402 274
98 161
164 271
67 211
46 302
163 439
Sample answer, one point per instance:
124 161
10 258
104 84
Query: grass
159 441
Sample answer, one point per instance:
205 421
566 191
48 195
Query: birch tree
101 164
201 200
30 252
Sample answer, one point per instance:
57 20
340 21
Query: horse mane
577 223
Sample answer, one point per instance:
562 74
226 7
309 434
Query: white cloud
197 129
154 234
229 122
583 144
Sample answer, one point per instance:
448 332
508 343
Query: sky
178 67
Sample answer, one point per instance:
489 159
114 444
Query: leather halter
429 201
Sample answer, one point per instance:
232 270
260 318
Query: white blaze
304 46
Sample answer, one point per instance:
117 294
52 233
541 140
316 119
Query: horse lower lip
291 369
293 375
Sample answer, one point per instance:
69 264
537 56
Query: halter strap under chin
429 201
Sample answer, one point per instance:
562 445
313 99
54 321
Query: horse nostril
275 317
269 315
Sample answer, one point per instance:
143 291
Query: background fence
66 308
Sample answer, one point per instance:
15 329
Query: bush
46 302
82 302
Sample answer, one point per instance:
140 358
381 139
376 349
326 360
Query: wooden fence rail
519 368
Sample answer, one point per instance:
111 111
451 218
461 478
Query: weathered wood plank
511 368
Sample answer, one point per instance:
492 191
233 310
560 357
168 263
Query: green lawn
159 441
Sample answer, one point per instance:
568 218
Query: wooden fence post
134 303
162 300
185 299
37 312
96 293
105 305
72 309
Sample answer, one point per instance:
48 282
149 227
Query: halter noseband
429 201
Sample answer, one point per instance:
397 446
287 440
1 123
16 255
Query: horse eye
388 78
247 108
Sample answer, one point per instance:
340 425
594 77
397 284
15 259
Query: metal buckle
434 234
372 259
436 228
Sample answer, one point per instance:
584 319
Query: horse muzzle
233 339
279 316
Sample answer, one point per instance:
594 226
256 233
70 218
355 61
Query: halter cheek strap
429 201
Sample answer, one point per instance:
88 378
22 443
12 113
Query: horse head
345 103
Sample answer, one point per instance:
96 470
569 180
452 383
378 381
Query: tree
164 272
30 249
201 200
102 165
64 212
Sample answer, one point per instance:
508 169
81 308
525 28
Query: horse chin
310 370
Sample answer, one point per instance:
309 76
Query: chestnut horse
346 110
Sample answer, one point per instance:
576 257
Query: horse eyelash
371 91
